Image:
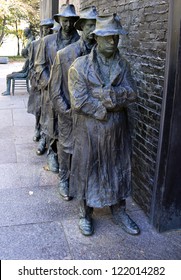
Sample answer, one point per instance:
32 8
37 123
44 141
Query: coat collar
115 71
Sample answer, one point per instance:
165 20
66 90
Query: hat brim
78 23
48 25
101 32
57 16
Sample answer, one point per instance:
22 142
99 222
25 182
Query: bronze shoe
41 147
86 226
5 93
36 136
126 223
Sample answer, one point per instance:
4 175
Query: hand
108 98
101 113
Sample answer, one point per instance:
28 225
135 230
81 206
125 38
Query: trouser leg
85 221
8 86
64 160
85 211
37 135
42 144
52 157
8 83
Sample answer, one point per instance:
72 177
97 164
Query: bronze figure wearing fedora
58 88
34 100
101 88
45 56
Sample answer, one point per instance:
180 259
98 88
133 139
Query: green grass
15 58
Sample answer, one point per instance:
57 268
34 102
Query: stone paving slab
111 242
27 153
8 151
20 175
42 241
22 118
23 135
7 102
39 204
6 118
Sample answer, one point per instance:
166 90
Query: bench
20 83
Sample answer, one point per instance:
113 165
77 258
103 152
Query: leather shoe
86 226
127 224
63 188
5 93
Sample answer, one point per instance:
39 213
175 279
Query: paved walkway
36 224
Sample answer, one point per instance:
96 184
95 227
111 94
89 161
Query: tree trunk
2 31
18 39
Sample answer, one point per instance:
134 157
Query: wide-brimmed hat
46 22
109 25
56 26
66 11
87 13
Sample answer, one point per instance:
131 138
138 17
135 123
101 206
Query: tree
12 13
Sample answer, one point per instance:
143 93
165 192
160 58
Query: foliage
12 13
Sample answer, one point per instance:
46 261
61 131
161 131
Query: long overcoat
34 100
58 89
101 161
48 48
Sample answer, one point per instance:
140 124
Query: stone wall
145 48
76 3
48 8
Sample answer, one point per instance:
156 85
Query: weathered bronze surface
101 88
34 101
59 94
25 69
46 53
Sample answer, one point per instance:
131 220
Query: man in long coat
34 101
45 56
101 88
58 88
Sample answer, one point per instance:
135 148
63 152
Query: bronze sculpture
34 101
59 95
24 71
45 56
101 88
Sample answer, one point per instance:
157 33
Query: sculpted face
45 30
67 24
27 32
107 45
88 26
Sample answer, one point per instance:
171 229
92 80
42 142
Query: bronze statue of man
29 36
34 101
59 95
24 71
101 88
44 60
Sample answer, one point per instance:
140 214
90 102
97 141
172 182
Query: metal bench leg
13 86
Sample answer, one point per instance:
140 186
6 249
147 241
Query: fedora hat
109 25
87 13
56 26
66 11
46 22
